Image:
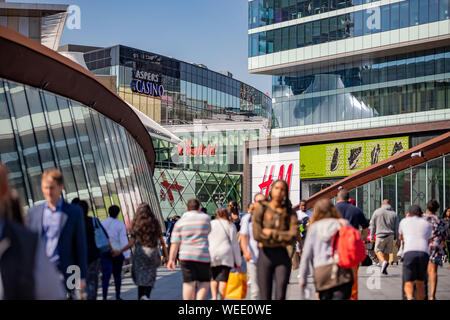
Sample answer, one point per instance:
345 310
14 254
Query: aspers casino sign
147 83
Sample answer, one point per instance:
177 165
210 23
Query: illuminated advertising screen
345 158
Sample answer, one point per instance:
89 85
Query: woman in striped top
190 238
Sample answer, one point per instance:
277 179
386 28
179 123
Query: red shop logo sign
267 183
169 187
201 150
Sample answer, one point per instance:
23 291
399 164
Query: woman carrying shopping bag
224 251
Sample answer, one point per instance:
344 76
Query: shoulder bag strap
95 223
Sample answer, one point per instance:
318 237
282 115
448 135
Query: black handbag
367 262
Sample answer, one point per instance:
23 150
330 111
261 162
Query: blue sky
211 32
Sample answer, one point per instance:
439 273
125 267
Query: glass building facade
208 166
411 82
416 185
100 161
332 67
190 91
388 17
222 151
214 189
267 12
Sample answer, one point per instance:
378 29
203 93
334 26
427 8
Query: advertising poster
344 159
334 160
354 157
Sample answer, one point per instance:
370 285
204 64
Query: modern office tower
345 74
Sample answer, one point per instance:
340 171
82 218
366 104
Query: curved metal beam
28 62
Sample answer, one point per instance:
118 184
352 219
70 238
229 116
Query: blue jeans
111 265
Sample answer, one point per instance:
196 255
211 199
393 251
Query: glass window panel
292 37
90 160
27 139
363 198
394 16
423 11
374 196
308 34
255 51
300 35
389 189
385 18
270 41
277 40
316 32
403 192
444 9
285 39
413 12
262 43
358 23
72 147
8 148
104 156
433 10
40 128
333 29
419 185
324 25
420 66
404 14
440 95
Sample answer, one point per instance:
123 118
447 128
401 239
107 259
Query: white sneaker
144 298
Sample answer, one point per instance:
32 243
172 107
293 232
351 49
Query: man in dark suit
60 225
25 271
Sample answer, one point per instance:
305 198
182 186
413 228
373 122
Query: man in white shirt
302 212
303 217
415 232
117 232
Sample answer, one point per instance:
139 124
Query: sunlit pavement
372 285
167 286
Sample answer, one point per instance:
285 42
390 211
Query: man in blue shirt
250 248
356 218
61 227
25 271
353 214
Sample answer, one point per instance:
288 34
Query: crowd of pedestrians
59 251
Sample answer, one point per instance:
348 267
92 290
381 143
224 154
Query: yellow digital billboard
345 158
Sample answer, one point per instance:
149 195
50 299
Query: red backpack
350 248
